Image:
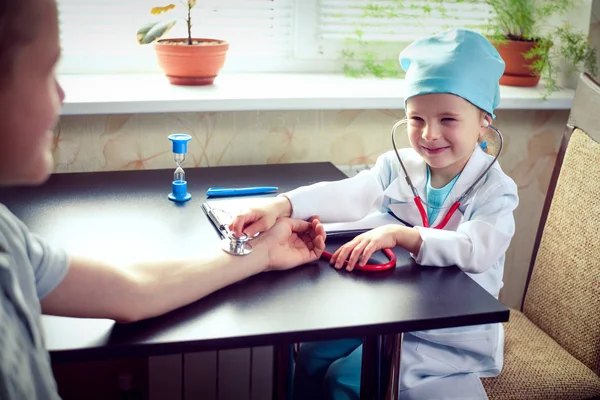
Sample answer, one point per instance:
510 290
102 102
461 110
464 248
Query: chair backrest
563 288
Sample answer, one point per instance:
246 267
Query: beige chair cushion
563 297
536 367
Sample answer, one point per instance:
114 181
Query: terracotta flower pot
196 64
517 71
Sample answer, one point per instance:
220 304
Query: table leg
282 360
393 363
370 369
380 373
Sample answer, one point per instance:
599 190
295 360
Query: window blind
395 20
100 36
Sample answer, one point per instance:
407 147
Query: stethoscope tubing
419 203
473 185
371 267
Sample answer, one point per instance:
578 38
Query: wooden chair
552 347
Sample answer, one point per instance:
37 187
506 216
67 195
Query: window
264 35
100 36
394 22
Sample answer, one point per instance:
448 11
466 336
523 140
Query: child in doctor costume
451 92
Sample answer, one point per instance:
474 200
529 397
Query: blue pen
222 192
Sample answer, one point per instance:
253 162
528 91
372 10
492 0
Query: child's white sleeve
345 200
477 243
338 201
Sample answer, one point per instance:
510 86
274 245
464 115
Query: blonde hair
20 22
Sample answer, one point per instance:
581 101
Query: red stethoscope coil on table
419 203
371 267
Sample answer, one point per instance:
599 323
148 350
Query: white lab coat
475 239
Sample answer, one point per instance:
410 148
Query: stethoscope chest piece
236 246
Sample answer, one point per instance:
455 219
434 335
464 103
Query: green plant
572 47
526 20
521 20
366 56
576 48
153 31
361 57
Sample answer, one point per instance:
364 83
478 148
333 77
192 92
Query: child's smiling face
443 129
30 100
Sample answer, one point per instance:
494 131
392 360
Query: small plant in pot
532 50
185 61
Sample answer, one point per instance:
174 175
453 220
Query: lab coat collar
399 190
478 162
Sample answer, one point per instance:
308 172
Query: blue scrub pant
328 369
331 370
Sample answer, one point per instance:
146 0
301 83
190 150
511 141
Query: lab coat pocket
466 349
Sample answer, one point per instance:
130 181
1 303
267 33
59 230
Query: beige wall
117 142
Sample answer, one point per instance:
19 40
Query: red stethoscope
420 203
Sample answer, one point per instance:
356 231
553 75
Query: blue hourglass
179 187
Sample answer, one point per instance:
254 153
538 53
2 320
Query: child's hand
260 219
362 247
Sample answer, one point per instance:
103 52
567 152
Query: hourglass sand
179 186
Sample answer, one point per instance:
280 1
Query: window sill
119 94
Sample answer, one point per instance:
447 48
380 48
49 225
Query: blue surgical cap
457 61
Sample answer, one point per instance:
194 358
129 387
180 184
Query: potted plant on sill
530 51
185 61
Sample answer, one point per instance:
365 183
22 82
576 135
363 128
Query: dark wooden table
127 216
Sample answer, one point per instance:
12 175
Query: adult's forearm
95 289
164 286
